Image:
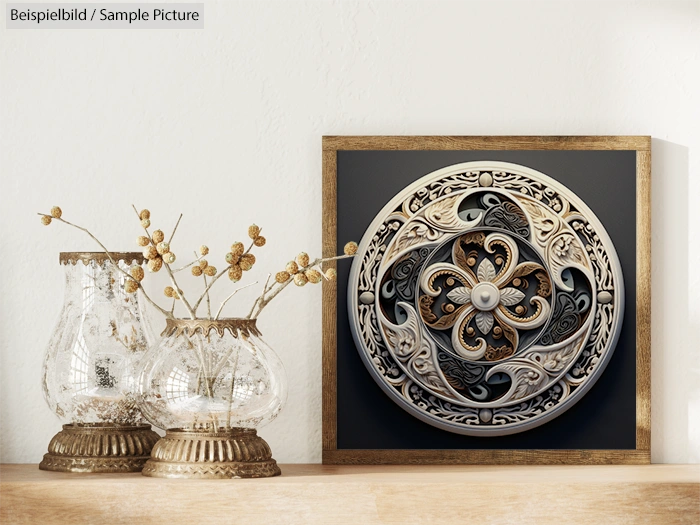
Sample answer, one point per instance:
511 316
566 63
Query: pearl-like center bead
485 296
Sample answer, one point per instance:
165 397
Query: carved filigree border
532 412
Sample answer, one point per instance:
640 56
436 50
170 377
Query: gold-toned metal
237 326
100 447
99 257
195 454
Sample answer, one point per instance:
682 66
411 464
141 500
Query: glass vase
211 384
91 369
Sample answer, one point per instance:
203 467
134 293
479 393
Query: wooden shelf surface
362 495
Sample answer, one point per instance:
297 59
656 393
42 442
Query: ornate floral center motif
485 297
485 304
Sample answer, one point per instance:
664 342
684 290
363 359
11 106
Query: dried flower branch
300 272
158 252
236 248
155 263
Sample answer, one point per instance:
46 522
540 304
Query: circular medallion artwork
486 298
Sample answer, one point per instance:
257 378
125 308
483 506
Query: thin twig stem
233 384
204 276
199 258
179 291
262 296
264 301
218 313
206 291
208 300
200 355
175 229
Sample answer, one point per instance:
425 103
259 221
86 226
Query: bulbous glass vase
91 369
211 383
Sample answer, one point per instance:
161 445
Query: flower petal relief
484 295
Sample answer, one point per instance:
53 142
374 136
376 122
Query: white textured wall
225 125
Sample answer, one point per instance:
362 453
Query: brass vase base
193 454
100 447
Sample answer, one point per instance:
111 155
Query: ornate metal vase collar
236 326
99 257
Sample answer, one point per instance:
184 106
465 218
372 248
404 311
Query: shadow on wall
675 358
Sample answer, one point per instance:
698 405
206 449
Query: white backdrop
224 125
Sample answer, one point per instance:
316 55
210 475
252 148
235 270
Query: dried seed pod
292 267
237 248
158 236
253 231
282 277
196 271
235 273
45 220
210 271
203 264
131 286
169 291
155 265
300 279
350 248
331 274
314 276
203 249
137 273
145 214
169 258
163 248
232 259
143 241
246 262
150 252
303 259
145 223
260 241
56 212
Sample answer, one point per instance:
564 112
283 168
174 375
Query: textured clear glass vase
211 383
212 375
91 369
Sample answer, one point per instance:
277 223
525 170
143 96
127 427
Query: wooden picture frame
641 454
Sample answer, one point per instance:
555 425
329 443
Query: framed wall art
498 310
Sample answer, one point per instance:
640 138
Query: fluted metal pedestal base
188 454
99 447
